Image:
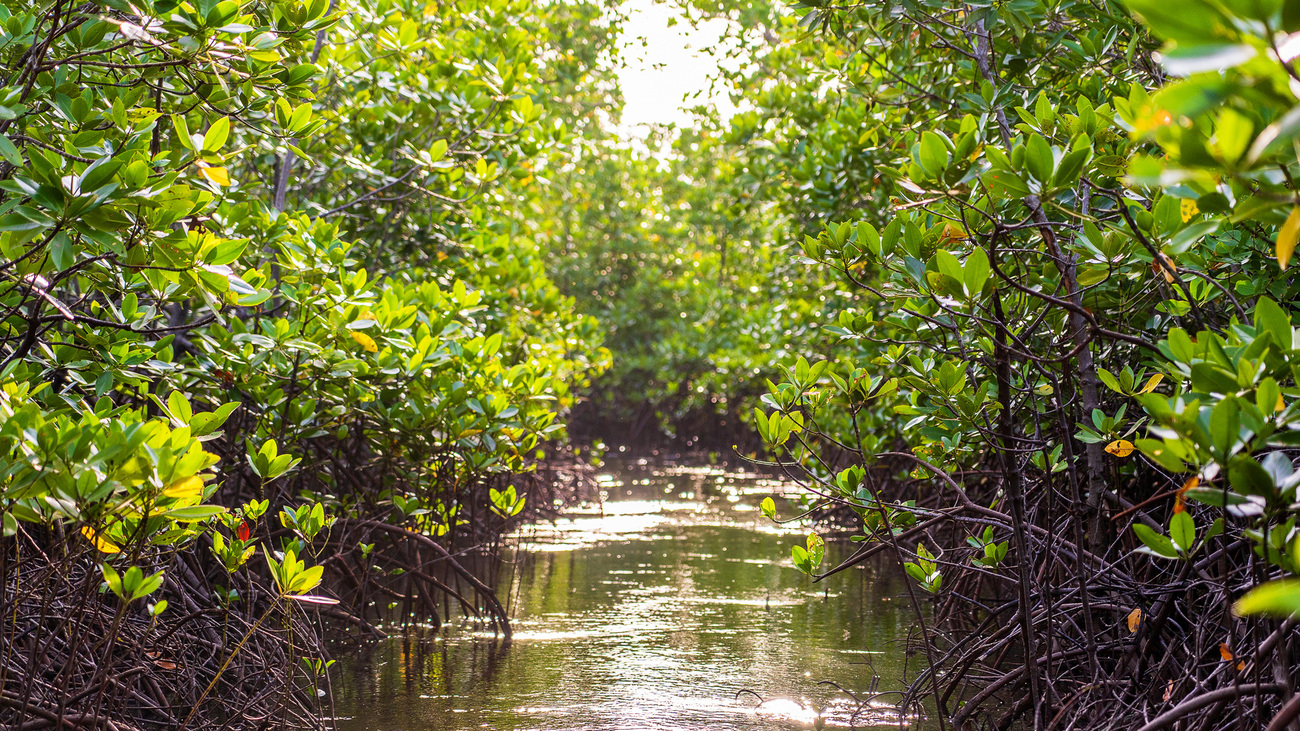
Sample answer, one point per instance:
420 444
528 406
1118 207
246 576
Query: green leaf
800 556
1180 345
216 135
1004 184
1154 543
816 549
1225 428
1208 379
1216 497
10 153
226 252
113 579
1038 158
1279 599
63 254
1161 453
948 264
257 298
204 423
1273 138
1234 130
1190 22
306 580
1186 238
17 222
1195 59
1271 318
1248 477
1109 379
768 508
1067 174
147 586
179 407
183 132
976 271
934 154
1182 530
194 514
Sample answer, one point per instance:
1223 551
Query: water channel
671 605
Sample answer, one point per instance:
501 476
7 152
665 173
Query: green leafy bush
259 258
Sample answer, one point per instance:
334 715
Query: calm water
653 611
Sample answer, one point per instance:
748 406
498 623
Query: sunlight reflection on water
650 611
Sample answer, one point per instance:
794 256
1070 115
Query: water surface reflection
671 606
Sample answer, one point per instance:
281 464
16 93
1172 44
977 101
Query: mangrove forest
630 365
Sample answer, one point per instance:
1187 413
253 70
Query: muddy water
671 605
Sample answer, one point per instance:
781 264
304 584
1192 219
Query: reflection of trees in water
651 621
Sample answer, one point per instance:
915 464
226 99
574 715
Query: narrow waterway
673 604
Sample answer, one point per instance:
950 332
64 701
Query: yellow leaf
1151 384
1120 448
220 176
1280 403
191 486
1190 484
1164 265
365 341
1287 237
1189 209
1044 389
104 545
1134 619
952 232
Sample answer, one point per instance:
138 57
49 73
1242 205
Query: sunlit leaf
816 549
308 599
1275 599
188 487
1120 448
1152 383
1287 237
220 176
365 341
103 544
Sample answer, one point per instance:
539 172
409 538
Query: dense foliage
1067 227
264 295
1005 282
1020 288
692 298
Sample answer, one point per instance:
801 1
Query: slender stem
203 696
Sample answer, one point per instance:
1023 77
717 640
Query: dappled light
649 364
664 624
